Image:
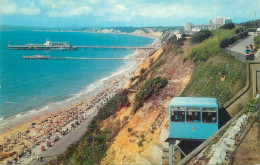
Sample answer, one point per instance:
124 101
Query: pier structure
41 57
112 47
65 45
39 47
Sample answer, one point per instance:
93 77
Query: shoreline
87 93
121 75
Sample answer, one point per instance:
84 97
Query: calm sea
27 85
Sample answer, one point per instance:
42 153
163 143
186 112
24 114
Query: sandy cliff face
150 33
141 138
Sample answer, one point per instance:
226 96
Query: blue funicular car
192 118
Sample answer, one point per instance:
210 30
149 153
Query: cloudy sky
107 13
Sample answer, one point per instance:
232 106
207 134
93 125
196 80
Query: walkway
61 146
241 46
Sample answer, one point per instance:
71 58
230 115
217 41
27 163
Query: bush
114 104
251 105
151 86
200 36
129 129
126 117
142 70
140 143
228 26
257 42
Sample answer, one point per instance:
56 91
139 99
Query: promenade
241 46
61 146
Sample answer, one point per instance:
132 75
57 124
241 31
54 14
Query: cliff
141 140
148 32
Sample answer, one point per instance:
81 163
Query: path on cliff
241 46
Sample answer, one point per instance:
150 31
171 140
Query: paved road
241 46
61 146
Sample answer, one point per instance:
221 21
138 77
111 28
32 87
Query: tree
227 26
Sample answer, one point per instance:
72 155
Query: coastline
20 123
78 97
87 93
74 31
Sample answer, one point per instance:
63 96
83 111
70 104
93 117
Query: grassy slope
211 65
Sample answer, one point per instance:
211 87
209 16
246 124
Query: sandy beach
25 137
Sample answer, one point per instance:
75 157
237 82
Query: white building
218 21
188 26
195 29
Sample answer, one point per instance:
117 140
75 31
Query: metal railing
238 56
232 39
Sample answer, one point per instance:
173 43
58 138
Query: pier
37 47
40 57
112 47
65 45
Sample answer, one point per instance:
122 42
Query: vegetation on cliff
200 36
257 42
217 74
228 26
151 86
94 144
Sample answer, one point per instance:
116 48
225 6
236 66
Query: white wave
8 102
1 118
32 111
4 123
18 115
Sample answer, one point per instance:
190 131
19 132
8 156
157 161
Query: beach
29 135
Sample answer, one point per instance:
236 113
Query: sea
32 85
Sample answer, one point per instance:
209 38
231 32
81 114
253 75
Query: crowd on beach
250 53
45 131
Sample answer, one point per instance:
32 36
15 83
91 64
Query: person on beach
252 52
247 53
15 160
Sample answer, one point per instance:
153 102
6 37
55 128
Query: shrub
228 26
129 129
257 42
140 143
115 103
200 36
173 39
126 117
251 105
151 86
142 70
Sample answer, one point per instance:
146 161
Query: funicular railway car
191 121
192 118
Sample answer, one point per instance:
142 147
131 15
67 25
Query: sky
112 13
